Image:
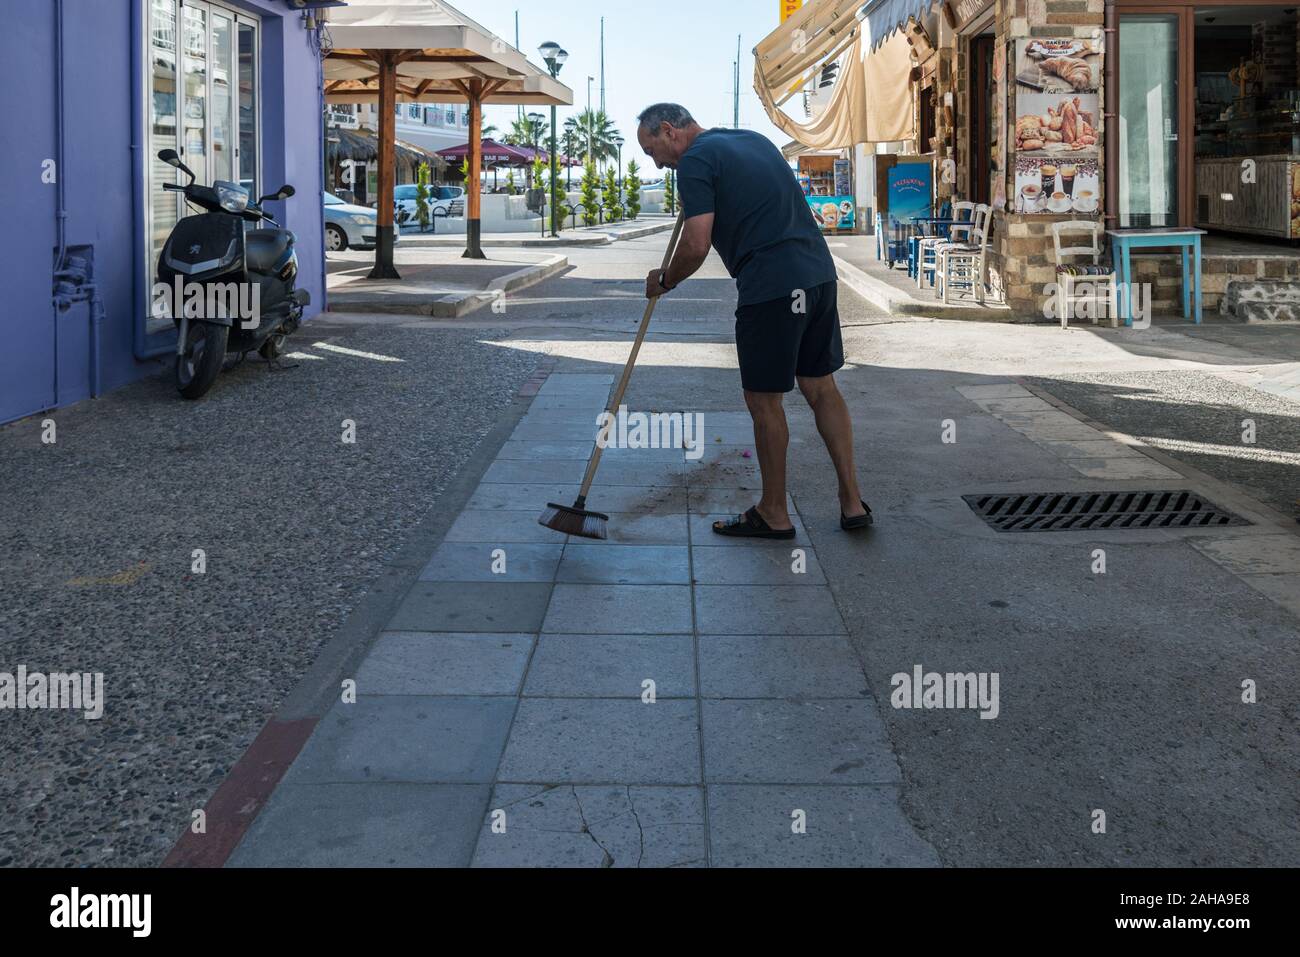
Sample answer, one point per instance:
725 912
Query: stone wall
1022 260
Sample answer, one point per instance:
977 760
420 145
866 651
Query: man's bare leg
771 437
836 428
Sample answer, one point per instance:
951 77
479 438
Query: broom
575 519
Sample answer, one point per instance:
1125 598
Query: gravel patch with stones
97 536
1198 418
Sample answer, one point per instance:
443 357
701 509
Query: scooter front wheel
198 366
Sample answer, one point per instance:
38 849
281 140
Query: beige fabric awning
871 101
441 49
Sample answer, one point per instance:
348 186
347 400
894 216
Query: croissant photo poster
1058 123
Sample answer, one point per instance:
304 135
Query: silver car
348 226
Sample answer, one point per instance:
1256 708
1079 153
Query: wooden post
386 61
474 205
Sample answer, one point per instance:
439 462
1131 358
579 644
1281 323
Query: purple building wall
47 357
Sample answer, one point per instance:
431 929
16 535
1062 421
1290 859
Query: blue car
349 226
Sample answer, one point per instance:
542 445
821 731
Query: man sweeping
741 198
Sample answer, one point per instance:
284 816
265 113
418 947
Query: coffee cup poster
1058 119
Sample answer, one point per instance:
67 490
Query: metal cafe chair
927 260
1097 273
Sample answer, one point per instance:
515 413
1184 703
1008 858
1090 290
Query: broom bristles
570 520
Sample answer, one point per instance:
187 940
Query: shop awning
884 17
871 101
440 50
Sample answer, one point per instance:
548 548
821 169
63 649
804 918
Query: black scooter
228 288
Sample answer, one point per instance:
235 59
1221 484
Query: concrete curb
896 303
455 305
587 236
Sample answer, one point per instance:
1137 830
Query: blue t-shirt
763 227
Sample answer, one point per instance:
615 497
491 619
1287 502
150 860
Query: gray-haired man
740 197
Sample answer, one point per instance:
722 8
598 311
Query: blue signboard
911 188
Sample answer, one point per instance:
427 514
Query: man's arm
692 249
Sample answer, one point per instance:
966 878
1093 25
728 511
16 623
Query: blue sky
677 52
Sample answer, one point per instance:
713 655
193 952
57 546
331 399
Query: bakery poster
1058 122
1050 65
1295 200
1048 184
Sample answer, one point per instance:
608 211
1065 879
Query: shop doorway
981 133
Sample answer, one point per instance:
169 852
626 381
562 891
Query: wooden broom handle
617 399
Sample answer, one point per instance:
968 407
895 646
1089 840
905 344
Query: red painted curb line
236 803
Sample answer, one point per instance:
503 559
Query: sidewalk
435 282
500 719
647 224
522 692
896 293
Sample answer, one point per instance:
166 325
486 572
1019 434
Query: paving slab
780 666
625 564
1254 554
496 527
603 498
619 609
493 562
1089 449
406 738
599 740
1283 589
601 826
766 610
612 666
719 565
529 451
423 663
510 607
641 528
731 501
782 742
753 826
512 472
365 825
997 390
1123 469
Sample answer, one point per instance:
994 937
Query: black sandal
857 521
751 525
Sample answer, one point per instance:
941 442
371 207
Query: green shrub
633 185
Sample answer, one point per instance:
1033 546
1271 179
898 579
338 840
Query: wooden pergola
424 51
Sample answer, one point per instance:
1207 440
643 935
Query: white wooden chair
963 264
1096 273
927 259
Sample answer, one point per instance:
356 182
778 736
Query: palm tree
526 132
489 130
597 133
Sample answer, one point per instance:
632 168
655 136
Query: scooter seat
266 247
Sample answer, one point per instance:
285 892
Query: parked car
449 200
347 225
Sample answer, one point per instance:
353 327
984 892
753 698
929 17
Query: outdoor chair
963 263
1097 273
927 259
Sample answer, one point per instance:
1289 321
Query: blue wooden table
1187 238
921 223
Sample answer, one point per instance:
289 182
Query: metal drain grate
1074 511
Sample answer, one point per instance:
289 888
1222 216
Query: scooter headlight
233 199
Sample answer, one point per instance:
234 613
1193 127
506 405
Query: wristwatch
663 275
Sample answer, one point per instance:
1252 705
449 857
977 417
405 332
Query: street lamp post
619 141
554 56
534 127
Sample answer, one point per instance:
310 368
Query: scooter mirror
284 192
171 158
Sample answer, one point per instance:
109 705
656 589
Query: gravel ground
1197 418
97 535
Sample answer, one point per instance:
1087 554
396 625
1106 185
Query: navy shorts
775 342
